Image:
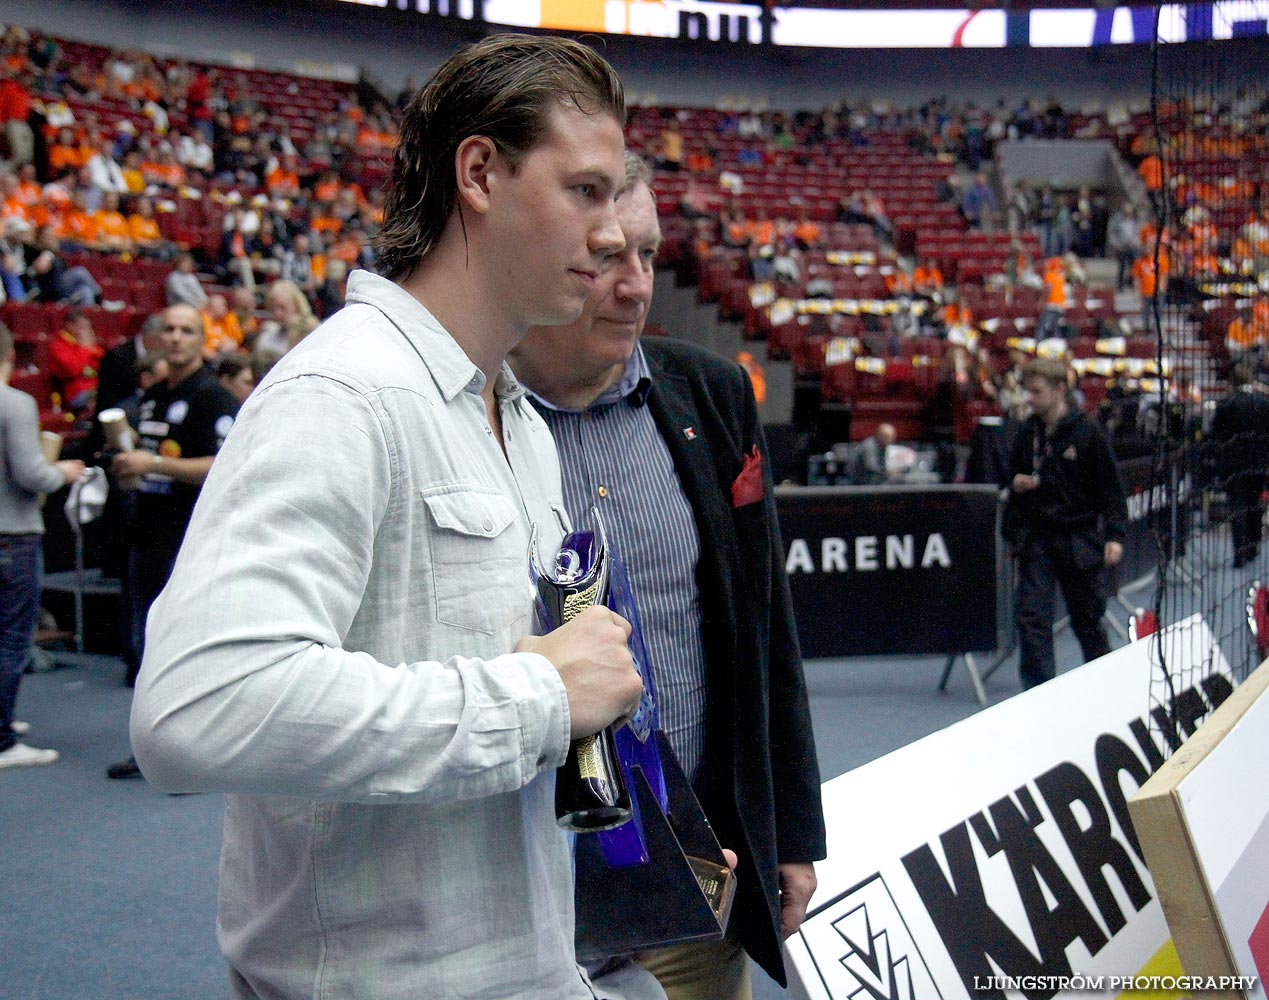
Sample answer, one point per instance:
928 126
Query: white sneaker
21 755
19 727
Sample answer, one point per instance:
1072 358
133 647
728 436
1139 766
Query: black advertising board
893 570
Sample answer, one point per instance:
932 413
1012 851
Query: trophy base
716 882
594 820
683 893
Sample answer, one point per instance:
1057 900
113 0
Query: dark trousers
149 567
1044 563
1245 515
21 567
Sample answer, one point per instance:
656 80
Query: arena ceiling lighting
806 25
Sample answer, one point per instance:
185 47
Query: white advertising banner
996 858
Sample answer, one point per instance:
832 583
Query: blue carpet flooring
111 886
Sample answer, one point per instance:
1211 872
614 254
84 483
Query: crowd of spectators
1206 265
109 158
126 155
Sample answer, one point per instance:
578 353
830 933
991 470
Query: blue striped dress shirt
612 457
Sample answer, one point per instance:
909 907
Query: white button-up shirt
334 650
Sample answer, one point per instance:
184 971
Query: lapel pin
689 433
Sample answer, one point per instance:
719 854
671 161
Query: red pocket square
747 488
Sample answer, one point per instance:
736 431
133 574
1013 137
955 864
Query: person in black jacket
1240 439
1065 520
119 374
665 438
182 423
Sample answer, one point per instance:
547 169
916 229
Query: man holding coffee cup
183 423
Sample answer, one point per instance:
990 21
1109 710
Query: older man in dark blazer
664 437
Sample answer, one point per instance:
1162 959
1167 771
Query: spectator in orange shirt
376 137
1255 233
1050 321
1260 318
1150 282
327 187
700 161
763 233
74 357
757 375
11 205
349 248
55 196
1247 339
325 220
927 279
221 331
1205 262
1149 234
112 228
1202 229
244 308
806 234
76 227
284 181
957 314
734 228
1150 170
1054 278
163 171
64 153
899 283
1241 254
143 227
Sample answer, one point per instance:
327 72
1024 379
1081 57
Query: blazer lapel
689 441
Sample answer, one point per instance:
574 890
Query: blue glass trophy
649 871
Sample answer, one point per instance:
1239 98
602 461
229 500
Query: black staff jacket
1079 492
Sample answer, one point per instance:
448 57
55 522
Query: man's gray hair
637 170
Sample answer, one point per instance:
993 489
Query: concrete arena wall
393 45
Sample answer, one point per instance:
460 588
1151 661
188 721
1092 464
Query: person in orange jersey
221 332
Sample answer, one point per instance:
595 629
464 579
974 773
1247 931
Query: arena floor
112 885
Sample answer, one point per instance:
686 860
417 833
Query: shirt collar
633 387
450 367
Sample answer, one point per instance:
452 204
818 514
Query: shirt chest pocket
479 573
